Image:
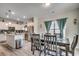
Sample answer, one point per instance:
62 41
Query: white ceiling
35 9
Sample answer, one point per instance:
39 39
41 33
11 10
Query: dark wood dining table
61 42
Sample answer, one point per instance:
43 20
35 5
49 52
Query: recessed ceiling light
9 23
46 4
13 13
24 17
6 24
7 16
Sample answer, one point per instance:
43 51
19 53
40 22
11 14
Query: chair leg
33 50
56 53
40 53
60 52
36 48
72 53
44 51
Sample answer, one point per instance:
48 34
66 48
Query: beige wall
36 21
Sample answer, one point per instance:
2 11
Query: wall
70 29
78 28
36 25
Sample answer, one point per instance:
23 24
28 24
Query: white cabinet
2 37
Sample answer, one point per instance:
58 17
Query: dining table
61 43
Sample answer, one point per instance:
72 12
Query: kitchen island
15 40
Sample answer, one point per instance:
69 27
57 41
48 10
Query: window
54 29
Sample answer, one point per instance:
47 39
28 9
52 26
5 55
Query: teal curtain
61 24
48 25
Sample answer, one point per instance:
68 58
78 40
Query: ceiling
35 9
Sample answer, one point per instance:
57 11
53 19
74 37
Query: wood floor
5 50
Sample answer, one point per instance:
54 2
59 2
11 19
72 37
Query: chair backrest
47 33
58 35
50 42
74 43
36 39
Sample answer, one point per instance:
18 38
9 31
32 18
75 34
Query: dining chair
72 48
50 45
58 35
36 43
47 33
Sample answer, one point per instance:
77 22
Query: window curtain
61 24
48 25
